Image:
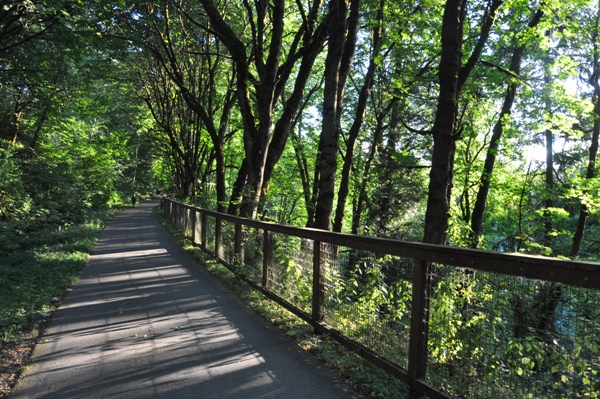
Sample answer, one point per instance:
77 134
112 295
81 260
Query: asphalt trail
145 321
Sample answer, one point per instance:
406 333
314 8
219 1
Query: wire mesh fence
368 299
491 330
251 255
226 250
499 336
291 270
208 241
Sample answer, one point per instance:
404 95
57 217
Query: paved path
145 322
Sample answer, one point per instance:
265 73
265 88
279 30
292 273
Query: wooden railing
206 229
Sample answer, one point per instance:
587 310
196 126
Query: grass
364 376
34 280
36 271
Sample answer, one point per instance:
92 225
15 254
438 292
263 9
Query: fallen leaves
16 353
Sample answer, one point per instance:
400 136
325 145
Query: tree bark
444 130
328 144
293 105
549 141
340 53
362 190
197 99
264 145
254 140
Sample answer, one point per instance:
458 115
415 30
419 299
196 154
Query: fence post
176 215
182 213
266 277
194 221
419 328
318 297
218 238
186 220
237 250
203 230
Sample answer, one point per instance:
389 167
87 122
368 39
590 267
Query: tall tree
513 72
261 78
445 128
340 52
594 82
445 131
181 126
359 116
197 79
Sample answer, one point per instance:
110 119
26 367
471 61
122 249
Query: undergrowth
364 376
34 279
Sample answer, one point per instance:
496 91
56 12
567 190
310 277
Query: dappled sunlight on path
145 322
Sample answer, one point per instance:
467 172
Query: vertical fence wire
228 243
368 299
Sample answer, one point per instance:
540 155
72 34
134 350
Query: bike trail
146 321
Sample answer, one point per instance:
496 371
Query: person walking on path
145 321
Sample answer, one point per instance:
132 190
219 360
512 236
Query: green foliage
75 137
34 280
14 204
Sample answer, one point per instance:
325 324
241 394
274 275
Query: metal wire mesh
251 256
498 336
292 269
196 227
227 247
187 222
368 298
209 242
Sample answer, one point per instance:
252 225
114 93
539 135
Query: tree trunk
549 172
444 130
452 77
264 145
549 294
591 173
498 130
384 204
235 200
293 105
199 101
304 172
591 167
328 144
362 190
255 142
444 133
356 125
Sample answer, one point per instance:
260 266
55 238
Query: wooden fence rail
194 223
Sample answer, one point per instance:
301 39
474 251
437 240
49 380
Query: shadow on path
145 322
